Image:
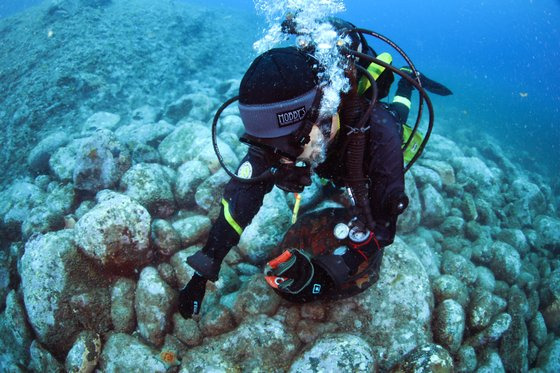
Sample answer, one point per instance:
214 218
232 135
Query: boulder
450 287
123 315
449 325
259 241
410 219
346 352
101 120
165 238
38 158
505 263
144 133
549 356
189 176
63 291
427 358
125 353
84 354
100 163
259 343
16 203
192 229
150 184
16 333
548 233
116 232
154 302
63 161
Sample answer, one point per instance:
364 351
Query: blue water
499 58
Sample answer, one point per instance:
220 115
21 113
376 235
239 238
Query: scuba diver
359 148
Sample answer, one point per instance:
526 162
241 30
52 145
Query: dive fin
429 84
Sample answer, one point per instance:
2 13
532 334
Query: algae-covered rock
459 266
100 121
426 359
259 343
259 241
38 158
154 302
16 333
165 238
411 307
192 229
122 305
346 352
125 353
434 208
62 290
84 354
499 325
483 308
449 325
116 232
450 287
410 218
255 297
548 233
189 176
549 356
208 194
41 360
100 163
505 263
150 185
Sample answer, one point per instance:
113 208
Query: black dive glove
190 297
291 177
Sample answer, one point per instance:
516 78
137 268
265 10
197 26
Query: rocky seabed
94 251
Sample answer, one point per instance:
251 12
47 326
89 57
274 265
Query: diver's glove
429 84
295 272
190 297
292 177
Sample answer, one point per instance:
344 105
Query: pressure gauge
358 235
341 231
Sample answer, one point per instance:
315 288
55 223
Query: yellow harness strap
227 214
296 207
375 70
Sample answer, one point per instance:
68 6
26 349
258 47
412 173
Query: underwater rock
146 133
490 362
410 219
125 353
101 120
123 315
483 307
183 271
514 345
145 114
457 265
233 124
196 106
259 343
38 158
549 356
150 185
426 254
426 359
116 232
499 325
153 303
537 330
16 334
450 287
442 148
449 325
475 169
63 161
259 241
485 279
142 153
100 162
209 193
186 330
189 176
411 307
346 352
468 207
192 140
42 360
84 354
434 208
165 238
465 359
505 263
453 226
255 297
192 229
551 316
548 233
216 320
62 291
16 203
443 169
425 176
41 220
516 238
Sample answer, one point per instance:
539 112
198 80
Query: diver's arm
240 203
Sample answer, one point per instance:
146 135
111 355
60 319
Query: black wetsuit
383 165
